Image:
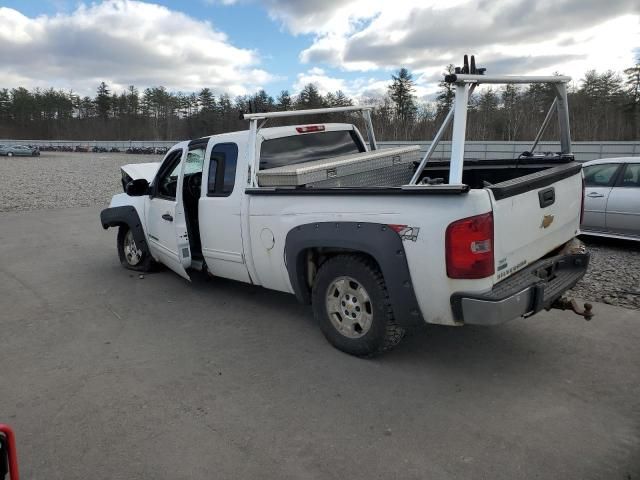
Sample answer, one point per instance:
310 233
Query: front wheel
10 154
133 256
352 307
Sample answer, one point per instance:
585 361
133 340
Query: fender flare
374 239
126 215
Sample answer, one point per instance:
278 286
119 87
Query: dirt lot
61 179
58 180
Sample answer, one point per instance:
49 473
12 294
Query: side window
167 182
195 160
222 170
600 175
631 175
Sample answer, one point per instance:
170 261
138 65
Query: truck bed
489 173
502 177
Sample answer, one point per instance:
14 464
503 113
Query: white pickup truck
377 241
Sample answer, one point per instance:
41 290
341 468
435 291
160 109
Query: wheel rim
131 251
349 307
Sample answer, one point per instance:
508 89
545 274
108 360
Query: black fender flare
127 215
377 240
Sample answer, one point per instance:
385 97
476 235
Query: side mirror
137 188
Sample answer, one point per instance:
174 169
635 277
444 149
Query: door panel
599 180
623 207
166 224
595 207
219 214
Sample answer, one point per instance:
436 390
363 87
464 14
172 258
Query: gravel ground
614 273
59 180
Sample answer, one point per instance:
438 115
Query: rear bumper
522 294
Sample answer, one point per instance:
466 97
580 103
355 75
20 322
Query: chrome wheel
131 251
349 307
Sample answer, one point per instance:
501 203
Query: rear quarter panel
276 215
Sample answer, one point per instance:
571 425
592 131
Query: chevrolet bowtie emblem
546 221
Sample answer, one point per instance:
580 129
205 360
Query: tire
140 260
352 307
10 154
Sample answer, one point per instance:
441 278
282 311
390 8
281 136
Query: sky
240 46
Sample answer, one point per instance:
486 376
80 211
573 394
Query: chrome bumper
522 294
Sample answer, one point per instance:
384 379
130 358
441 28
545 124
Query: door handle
167 217
595 195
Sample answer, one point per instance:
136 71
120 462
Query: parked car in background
612 198
19 150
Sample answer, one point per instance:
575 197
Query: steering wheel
194 183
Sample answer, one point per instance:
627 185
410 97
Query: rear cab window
222 170
307 147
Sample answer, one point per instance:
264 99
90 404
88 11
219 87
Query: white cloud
323 82
359 89
123 42
509 36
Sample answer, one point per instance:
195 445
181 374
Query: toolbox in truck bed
390 166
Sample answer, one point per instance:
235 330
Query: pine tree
632 106
486 109
309 97
5 103
262 102
284 101
446 94
341 100
206 100
512 110
103 100
401 92
133 101
633 82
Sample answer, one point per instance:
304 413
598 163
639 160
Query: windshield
301 148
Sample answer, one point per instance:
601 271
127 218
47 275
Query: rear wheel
9 154
352 307
133 256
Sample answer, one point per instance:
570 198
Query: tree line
603 106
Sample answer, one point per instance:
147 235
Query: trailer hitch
564 303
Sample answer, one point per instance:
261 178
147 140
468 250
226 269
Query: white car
612 198
375 242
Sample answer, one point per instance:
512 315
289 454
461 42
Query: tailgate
533 215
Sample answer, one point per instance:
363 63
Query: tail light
469 247
310 129
582 203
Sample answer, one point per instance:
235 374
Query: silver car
18 150
612 198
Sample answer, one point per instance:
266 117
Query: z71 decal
409 233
